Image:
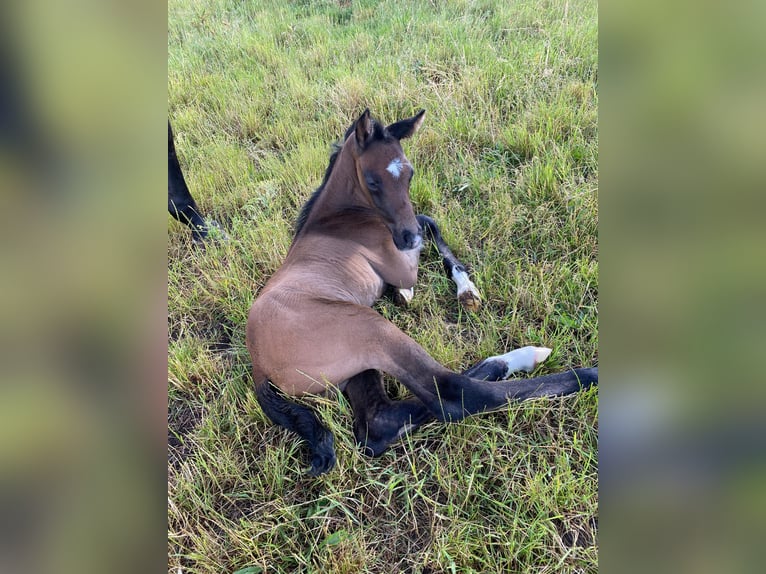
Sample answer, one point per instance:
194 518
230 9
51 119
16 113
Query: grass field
506 162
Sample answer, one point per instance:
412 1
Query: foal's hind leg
301 420
467 293
379 421
451 396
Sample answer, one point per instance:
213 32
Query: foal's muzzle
406 240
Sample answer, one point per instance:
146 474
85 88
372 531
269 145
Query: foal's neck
342 191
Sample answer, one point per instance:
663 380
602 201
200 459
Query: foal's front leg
467 293
501 367
403 297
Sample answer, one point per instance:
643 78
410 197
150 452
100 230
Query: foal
312 327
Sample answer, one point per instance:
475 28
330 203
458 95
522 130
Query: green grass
506 162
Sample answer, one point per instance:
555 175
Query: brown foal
312 325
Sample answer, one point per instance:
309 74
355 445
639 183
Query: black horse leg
379 421
181 204
467 293
451 397
301 420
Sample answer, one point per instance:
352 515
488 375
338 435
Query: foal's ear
363 128
405 128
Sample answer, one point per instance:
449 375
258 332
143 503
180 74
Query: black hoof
322 463
211 231
323 459
373 450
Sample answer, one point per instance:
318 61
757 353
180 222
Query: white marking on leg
524 359
407 294
467 293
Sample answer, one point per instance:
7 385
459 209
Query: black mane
379 132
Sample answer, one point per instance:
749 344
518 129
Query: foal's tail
556 385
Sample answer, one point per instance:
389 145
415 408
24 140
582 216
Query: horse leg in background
181 204
380 421
467 293
301 420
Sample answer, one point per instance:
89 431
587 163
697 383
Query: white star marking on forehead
396 166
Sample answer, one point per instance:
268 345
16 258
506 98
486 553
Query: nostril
407 240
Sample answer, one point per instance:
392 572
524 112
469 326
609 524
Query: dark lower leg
185 210
379 421
468 295
181 204
301 420
432 232
487 370
451 397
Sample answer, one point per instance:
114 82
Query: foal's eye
373 184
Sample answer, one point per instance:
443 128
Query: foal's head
384 174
